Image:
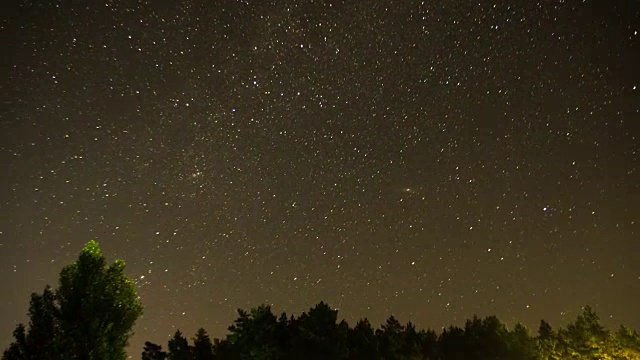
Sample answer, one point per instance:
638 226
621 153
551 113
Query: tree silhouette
390 339
41 341
18 349
88 317
253 335
521 344
153 352
317 334
429 344
179 348
202 346
486 338
452 343
362 341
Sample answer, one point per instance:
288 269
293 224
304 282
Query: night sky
430 160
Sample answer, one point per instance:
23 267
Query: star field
430 160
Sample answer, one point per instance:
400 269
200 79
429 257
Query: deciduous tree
89 316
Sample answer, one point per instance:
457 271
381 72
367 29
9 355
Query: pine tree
179 348
202 346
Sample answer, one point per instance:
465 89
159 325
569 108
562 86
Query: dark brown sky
431 160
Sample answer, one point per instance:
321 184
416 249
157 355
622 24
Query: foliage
586 338
179 348
317 334
89 316
362 341
153 352
202 346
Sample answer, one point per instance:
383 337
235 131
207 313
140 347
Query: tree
585 338
318 336
547 341
252 336
486 339
40 342
429 344
179 348
202 346
411 339
626 344
390 339
362 341
451 343
545 331
98 306
258 334
17 349
89 316
153 352
522 345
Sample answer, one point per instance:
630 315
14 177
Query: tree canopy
89 317
317 334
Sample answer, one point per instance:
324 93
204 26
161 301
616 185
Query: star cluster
431 160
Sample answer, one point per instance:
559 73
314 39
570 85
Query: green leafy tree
625 344
585 338
89 316
548 342
545 331
98 307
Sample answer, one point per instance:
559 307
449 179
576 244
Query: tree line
91 314
318 335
